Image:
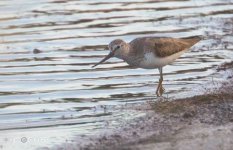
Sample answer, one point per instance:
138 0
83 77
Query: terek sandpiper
150 52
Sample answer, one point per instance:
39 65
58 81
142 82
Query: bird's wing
163 47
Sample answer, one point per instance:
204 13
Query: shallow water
49 97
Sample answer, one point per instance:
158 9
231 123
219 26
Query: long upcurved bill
105 58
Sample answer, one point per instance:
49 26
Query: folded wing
164 47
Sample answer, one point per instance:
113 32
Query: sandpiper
150 53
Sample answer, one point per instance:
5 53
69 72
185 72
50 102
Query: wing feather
164 47
161 46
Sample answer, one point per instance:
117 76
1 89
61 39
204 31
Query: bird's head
117 49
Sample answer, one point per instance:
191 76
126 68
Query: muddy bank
200 122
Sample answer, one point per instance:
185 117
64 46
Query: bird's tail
193 39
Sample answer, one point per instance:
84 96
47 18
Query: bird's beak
111 54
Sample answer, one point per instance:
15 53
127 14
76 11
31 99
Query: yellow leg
160 90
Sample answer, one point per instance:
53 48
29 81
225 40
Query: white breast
150 61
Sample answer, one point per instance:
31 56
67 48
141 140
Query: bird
150 53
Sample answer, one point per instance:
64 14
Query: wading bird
150 52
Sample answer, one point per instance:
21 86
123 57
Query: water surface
48 97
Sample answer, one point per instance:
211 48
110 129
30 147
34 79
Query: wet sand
199 122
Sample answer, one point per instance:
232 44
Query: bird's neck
128 56
125 53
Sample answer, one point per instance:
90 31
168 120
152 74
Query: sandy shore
200 122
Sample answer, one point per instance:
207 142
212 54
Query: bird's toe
161 91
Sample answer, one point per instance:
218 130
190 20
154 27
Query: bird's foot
161 90
158 94
161 98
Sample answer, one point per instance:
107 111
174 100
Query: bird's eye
117 47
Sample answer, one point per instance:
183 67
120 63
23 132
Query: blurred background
49 93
